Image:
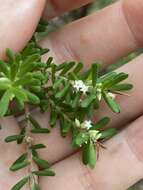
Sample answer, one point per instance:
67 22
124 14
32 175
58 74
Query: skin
106 35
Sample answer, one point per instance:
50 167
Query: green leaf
89 155
35 186
4 102
88 100
122 87
49 61
37 146
4 83
22 158
76 101
65 127
53 118
41 163
101 123
78 68
29 64
33 99
19 165
14 138
4 68
10 55
115 80
67 67
108 133
111 103
22 132
95 73
20 184
34 122
20 94
80 139
24 80
40 130
46 172
63 92
86 75
57 83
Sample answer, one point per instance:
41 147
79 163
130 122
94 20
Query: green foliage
70 95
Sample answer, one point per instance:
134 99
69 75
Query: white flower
79 85
112 95
87 124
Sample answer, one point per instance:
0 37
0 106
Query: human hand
106 35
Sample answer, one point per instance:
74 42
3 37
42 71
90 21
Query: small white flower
84 89
112 95
79 85
87 124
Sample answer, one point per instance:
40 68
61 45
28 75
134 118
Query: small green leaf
95 73
101 123
67 67
88 100
122 87
20 94
35 186
29 64
89 155
49 61
41 163
111 103
108 133
53 118
63 92
115 80
40 130
34 122
20 184
46 172
78 68
18 166
4 102
80 139
33 99
76 101
22 158
4 83
14 138
10 55
4 68
57 83
65 127
37 146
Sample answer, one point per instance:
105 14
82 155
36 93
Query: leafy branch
71 96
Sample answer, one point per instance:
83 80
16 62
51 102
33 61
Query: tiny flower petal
87 124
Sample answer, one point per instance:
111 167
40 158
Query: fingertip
133 11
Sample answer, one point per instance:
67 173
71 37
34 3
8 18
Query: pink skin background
106 35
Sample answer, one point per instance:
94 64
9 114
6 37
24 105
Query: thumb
18 21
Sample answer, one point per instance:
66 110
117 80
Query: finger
105 35
18 22
119 166
56 8
9 153
131 108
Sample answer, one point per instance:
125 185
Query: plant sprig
71 96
